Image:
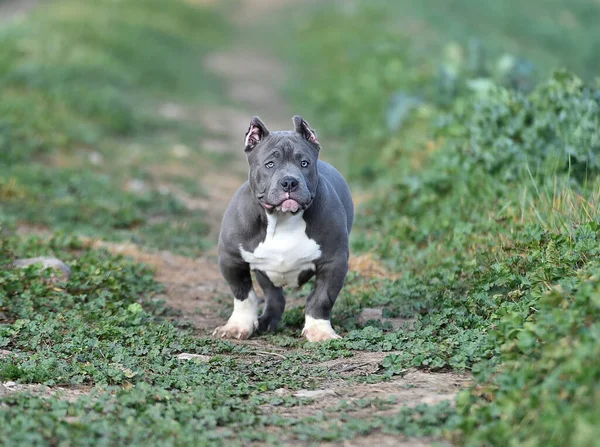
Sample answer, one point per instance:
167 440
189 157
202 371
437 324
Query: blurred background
115 114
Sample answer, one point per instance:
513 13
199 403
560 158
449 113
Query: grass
483 194
552 34
75 97
102 329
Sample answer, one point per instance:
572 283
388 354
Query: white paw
318 330
243 321
241 331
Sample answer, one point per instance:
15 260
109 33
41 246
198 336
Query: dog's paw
243 321
237 330
318 330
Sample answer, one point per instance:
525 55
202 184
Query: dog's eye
304 164
269 165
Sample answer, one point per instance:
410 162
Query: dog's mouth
287 205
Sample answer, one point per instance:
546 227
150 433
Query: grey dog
289 222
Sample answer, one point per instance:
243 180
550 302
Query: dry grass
561 208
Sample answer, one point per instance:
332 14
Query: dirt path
195 287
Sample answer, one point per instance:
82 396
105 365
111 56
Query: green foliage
484 198
497 145
102 330
66 81
564 34
72 91
546 390
505 133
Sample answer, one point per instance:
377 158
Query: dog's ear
256 132
303 128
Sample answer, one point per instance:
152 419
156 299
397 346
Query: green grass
482 186
73 91
553 34
101 328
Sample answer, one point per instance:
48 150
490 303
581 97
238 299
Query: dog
289 222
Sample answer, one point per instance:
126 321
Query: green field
470 133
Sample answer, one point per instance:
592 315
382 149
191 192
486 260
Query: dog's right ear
256 132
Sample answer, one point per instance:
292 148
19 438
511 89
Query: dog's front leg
244 319
328 284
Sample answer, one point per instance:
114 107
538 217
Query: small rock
136 185
10 384
188 356
367 314
171 111
280 392
180 151
96 158
314 393
47 262
436 399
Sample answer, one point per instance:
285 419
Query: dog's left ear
303 128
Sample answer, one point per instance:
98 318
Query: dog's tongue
290 205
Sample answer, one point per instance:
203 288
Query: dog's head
283 165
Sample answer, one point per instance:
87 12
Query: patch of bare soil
70 394
383 440
370 267
252 11
253 80
412 388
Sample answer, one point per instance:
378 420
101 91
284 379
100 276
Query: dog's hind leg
274 303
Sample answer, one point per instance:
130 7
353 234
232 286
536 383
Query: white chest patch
286 251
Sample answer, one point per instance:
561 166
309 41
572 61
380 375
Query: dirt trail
196 288
252 81
193 286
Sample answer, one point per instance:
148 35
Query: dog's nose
289 184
